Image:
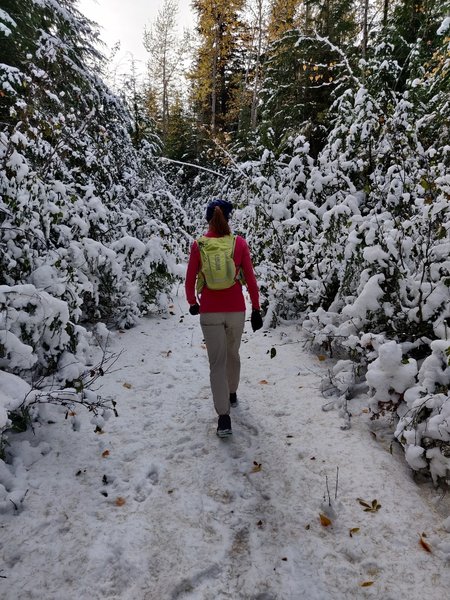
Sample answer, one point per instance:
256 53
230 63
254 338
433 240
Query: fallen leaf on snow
425 545
324 520
374 506
120 501
127 385
105 453
321 357
363 502
256 467
367 583
264 382
353 530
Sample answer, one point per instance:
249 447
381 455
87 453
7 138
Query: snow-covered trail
157 507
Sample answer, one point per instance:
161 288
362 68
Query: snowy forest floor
158 508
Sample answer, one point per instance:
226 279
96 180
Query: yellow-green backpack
218 269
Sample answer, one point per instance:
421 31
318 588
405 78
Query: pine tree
166 52
301 73
411 27
283 18
180 143
335 20
142 106
215 74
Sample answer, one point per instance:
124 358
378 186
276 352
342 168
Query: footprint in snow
188 585
197 449
181 441
250 428
153 475
236 450
145 486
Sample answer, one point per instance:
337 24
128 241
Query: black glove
194 309
256 319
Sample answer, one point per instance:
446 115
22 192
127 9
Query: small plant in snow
330 507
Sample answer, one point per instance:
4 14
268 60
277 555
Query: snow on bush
356 242
89 229
389 376
13 390
278 222
424 425
35 329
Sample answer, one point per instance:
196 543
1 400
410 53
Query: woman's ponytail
218 223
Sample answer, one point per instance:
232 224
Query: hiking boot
224 426
233 399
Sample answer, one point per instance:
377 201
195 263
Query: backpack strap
201 282
239 271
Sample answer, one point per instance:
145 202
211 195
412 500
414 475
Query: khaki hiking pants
222 332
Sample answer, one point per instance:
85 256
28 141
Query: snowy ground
157 507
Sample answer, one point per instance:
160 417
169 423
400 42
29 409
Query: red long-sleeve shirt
230 299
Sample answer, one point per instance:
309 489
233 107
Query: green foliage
336 20
3 445
181 138
412 30
301 75
20 419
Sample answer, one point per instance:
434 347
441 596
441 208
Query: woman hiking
221 303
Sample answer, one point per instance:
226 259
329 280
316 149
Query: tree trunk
164 98
255 95
308 20
214 80
365 28
385 13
